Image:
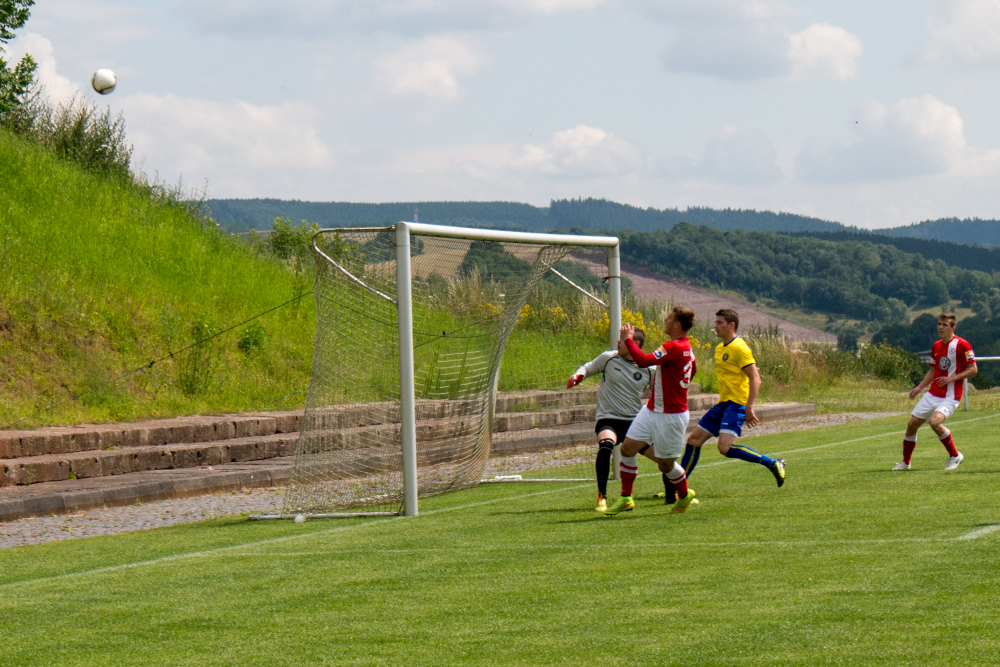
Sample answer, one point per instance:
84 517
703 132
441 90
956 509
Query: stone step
181 430
73 495
441 438
198 429
439 434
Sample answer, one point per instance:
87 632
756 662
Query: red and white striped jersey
675 366
949 359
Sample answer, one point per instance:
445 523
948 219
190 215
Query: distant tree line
858 279
238 215
603 214
978 258
967 230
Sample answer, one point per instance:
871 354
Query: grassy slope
96 280
848 564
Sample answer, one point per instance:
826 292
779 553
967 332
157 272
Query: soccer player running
739 383
952 361
663 421
618 400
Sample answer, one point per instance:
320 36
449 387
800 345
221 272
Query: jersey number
687 374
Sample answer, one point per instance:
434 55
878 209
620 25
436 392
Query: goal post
413 322
404 305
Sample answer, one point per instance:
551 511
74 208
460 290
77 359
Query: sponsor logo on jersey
637 375
944 363
970 355
659 353
725 356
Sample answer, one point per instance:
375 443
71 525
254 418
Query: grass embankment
848 564
98 278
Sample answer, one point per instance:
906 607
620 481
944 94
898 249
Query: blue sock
690 459
744 453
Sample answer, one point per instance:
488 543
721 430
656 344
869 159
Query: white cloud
740 156
824 51
233 144
917 136
56 87
746 39
575 154
429 68
582 151
253 18
966 32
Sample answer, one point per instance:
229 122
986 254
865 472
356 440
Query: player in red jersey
661 423
952 360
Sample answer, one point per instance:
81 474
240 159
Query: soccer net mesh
488 317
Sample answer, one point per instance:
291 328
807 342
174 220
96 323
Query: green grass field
848 564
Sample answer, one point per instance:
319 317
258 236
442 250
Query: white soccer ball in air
104 81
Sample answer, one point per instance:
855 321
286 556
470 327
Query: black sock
668 487
603 466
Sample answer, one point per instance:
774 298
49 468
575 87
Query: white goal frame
404 308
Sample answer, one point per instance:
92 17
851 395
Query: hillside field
98 278
848 564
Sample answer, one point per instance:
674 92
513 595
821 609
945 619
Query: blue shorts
725 417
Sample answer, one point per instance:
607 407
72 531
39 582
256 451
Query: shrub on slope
98 278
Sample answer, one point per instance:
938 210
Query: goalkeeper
619 398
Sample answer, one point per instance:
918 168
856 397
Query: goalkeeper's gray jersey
620 393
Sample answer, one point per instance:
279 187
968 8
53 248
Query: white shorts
928 405
665 431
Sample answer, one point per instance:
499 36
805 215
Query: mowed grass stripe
467 506
871 574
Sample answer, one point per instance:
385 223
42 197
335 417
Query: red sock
628 475
949 444
681 485
908 447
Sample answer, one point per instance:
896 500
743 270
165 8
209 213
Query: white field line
979 533
617 545
376 522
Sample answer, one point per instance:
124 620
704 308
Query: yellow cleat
682 503
602 503
623 504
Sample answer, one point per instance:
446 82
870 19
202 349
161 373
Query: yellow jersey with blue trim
730 360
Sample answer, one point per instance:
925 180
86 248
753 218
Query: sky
874 114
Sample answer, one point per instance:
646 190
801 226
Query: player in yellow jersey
739 383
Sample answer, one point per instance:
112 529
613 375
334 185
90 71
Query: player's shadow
629 517
541 511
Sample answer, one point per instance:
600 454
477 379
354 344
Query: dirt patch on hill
648 284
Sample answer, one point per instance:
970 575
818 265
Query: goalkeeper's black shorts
619 426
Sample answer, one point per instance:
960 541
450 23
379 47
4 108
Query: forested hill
974 230
244 214
238 215
854 278
979 258
609 215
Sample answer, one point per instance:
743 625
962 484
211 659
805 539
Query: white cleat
953 461
902 465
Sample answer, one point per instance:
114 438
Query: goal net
414 348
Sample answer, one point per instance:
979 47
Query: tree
935 291
14 83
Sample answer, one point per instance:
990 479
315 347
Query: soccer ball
104 81
300 519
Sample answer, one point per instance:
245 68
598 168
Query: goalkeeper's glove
573 381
